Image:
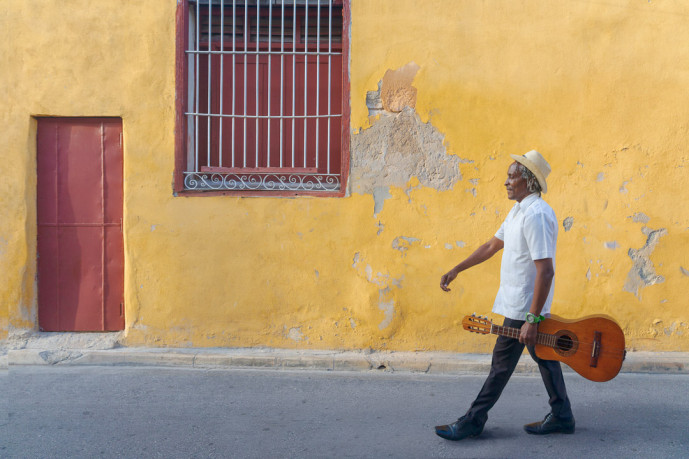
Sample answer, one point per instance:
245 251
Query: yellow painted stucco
598 87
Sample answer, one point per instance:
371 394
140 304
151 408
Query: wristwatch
533 318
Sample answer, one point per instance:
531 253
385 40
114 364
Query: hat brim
532 167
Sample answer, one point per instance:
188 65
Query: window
264 100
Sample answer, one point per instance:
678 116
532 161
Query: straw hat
537 164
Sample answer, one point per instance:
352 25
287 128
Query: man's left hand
529 334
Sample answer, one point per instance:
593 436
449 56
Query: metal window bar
196 98
306 76
208 118
318 79
270 74
293 177
258 41
246 61
294 70
330 49
222 79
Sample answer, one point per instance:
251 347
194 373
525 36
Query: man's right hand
447 278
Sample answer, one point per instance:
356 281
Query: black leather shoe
551 424
458 430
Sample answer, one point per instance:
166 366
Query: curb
281 359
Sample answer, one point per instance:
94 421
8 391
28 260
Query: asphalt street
142 412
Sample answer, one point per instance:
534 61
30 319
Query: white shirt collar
527 201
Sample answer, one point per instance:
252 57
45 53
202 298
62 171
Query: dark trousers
505 358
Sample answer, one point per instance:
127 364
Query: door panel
80 246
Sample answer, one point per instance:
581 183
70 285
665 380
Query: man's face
516 184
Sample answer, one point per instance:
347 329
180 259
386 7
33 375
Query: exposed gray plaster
295 334
612 245
567 223
381 227
402 243
601 177
643 272
387 305
355 262
380 194
640 217
398 147
684 271
374 102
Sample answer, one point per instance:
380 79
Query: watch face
530 318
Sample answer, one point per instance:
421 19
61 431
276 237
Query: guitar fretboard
543 338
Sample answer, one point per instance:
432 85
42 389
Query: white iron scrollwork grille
264 95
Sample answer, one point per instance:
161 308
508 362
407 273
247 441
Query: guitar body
592 346
574 345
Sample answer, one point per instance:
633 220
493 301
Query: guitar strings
552 340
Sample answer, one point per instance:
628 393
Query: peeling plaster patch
612 245
373 101
396 91
640 217
588 274
623 188
448 246
567 223
380 194
402 243
352 323
684 271
357 257
153 227
295 334
381 227
397 147
460 244
317 274
412 188
601 177
643 272
387 305
369 273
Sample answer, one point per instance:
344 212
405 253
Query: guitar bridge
595 352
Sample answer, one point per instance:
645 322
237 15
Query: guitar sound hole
566 343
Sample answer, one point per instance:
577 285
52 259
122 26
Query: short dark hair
532 183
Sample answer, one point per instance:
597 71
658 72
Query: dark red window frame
182 82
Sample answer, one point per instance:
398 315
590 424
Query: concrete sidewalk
104 349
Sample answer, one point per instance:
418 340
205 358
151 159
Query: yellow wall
598 88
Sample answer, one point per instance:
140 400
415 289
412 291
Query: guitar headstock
477 324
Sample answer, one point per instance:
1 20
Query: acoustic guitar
592 346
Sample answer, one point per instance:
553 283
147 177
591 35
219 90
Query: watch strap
534 318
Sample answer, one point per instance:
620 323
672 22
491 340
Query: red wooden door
80 245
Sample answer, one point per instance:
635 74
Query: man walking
528 236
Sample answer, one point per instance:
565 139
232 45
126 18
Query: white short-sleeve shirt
529 233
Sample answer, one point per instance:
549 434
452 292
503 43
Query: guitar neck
543 338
